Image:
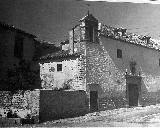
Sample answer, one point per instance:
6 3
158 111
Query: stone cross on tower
88 5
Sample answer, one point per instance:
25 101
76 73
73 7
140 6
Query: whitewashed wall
56 79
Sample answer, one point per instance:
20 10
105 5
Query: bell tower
90 25
85 32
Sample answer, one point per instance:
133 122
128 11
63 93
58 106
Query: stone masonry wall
108 71
22 103
80 47
102 70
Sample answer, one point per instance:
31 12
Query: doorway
133 94
93 101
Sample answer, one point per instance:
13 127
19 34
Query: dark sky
51 19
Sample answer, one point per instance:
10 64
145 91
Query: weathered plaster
56 79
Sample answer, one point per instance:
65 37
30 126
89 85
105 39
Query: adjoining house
20 71
117 68
17 54
61 70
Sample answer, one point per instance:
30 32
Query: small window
119 53
159 62
59 67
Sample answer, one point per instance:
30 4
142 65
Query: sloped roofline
151 45
12 28
108 32
58 55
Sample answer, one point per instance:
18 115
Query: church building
115 68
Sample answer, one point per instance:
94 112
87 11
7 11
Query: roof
12 28
109 32
43 41
59 55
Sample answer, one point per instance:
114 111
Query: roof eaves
51 58
130 42
107 31
11 27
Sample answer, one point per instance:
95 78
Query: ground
148 116
123 117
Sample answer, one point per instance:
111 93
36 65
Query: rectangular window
18 47
119 53
59 67
159 62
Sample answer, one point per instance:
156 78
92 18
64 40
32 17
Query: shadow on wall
150 95
107 71
103 71
112 102
109 100
150 89
62 104
24 76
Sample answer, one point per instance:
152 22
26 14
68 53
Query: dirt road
124 117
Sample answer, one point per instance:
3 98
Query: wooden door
93 100
133 94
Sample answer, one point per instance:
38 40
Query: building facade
118 68
60 71
20 73
17 59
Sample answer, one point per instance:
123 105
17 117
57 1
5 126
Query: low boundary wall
62 104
